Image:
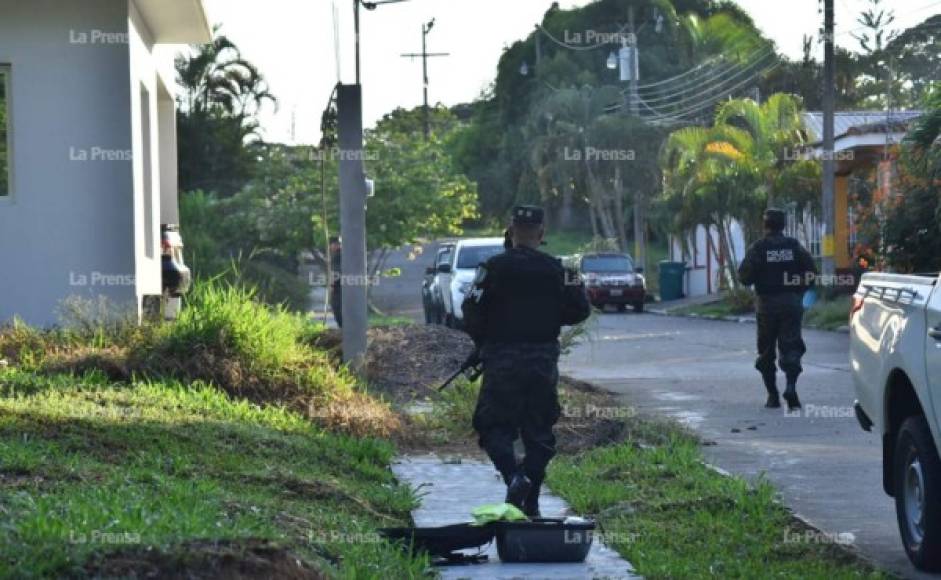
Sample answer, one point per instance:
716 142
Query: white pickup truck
895 353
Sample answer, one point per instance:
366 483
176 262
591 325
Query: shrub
224 319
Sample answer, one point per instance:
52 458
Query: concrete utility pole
630 68
630 56
425 55
353 225
829 167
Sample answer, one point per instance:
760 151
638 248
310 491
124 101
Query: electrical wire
737 69
718 71
660 115
718 86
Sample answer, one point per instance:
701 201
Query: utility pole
354 280
630 56
353 225
425 55
629 67
829 168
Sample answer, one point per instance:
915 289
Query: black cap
530 215
775 219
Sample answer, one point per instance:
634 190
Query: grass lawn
657 502
673 517
268 470
91 467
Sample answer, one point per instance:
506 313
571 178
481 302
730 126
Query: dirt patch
205 560
407 363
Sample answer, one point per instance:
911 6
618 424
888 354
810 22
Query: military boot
518 490
771 384
531 505
790 395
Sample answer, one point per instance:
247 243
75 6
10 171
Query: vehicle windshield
608 265
473 256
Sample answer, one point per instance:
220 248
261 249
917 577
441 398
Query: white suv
458 276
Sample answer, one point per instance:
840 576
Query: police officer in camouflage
520 300
781 271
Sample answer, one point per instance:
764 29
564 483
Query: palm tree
750 159
217 77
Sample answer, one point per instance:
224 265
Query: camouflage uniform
514 313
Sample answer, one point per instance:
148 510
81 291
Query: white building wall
145 89
68 228
703 263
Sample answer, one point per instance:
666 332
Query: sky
296 46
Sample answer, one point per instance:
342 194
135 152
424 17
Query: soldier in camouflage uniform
520 300
781 271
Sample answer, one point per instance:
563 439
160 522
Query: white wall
69 223
145 123
703 265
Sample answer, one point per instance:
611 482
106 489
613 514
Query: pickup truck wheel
917 474
639 306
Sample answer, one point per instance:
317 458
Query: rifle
472 368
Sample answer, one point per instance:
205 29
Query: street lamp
369 5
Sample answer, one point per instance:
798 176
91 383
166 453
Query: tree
513 150
420 191
749 159
906 226
221 96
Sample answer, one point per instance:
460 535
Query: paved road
401 295
700 372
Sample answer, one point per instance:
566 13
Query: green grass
672 517
717 309
825 314
161 464
829 314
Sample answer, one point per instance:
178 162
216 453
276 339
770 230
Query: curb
738 319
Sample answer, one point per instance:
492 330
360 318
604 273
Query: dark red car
612 279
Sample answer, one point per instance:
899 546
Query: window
472 256
607 264
5 162
147 158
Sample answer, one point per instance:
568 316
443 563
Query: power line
737 69
719 86
677 115
695 81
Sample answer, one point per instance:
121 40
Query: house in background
704 258
88 153
864 147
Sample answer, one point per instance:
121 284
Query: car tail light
858 302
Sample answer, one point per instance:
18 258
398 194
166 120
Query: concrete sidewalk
449 492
